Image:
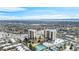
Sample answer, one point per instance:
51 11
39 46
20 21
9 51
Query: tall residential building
32 33
50 34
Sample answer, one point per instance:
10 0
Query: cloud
11 9
50 17
38 17
9 17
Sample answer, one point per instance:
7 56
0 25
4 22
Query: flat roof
31 30
50 30
12 40
7 47
20 48
58 40
7 44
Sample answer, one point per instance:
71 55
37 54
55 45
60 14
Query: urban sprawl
39 37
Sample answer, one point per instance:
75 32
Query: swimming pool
40 47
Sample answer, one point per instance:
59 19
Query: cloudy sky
36 13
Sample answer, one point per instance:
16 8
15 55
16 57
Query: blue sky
36 13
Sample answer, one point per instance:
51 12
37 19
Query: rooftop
50 30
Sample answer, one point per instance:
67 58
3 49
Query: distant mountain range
43 21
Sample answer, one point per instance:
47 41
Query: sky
38 13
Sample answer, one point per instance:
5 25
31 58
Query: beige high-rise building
32 33
50 34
